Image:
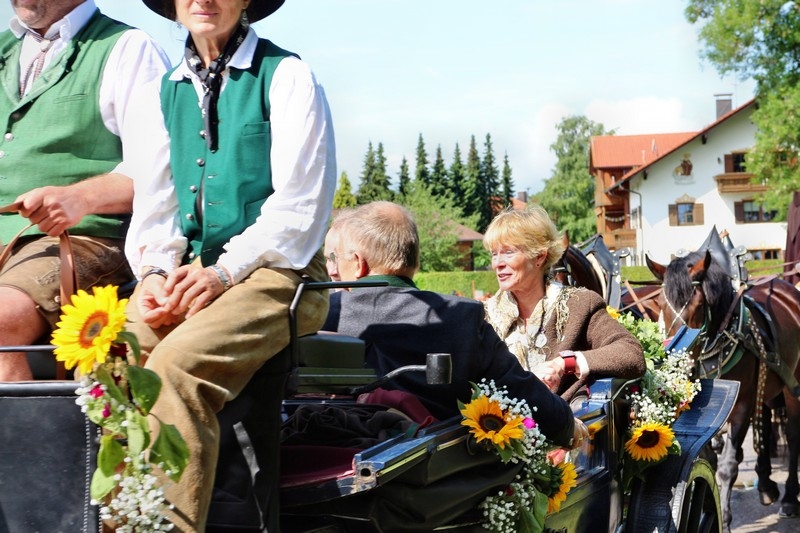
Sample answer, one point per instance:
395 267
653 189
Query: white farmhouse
662 194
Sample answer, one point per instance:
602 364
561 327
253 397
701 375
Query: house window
748 211
685 214
735 163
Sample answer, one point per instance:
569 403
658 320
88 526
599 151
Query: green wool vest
55 135
235 180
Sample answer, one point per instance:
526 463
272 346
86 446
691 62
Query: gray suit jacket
402 324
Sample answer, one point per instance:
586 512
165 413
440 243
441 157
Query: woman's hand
550 373
580 434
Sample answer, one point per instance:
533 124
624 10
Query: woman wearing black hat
223 234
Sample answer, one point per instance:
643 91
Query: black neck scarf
211 77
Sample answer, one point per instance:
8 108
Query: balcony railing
738 182
620 238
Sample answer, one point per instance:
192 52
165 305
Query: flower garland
665 391
506 426
118 397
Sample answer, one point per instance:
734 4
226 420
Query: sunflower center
492 423
648 439
92 328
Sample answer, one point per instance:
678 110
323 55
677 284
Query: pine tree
490 185
343 198
404 179
457 179
507 182
374 181
422 175
439 181
473 193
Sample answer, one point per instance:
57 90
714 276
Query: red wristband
570 362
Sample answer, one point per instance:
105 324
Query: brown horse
752 336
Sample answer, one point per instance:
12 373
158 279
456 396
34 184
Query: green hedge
485 280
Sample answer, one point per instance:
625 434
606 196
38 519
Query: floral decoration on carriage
506 426
664 392
118 396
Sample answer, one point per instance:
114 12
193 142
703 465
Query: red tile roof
631 151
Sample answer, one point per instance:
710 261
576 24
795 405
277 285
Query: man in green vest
69 98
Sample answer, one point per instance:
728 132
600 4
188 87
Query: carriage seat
328 363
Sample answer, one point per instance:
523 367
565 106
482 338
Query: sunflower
487 420
88 327
568 477
650 442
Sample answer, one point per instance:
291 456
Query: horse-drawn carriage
431 478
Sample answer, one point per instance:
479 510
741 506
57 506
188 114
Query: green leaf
101 484
133 343
171 450
110 455
540 504
145 386
112 389
138 432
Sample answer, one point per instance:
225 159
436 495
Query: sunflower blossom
487 421
650 442
568 477
88 327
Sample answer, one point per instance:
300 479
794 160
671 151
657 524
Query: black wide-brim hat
257 10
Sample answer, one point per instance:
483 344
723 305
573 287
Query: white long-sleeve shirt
136 59
293 220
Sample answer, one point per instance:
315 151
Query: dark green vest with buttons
55 135
221 193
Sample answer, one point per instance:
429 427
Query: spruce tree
404 179
490 185
422 175
343 198
439 181
473 193
457 179
507 182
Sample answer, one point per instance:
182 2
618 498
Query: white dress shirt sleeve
293 220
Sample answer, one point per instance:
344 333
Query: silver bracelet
223 276
157 271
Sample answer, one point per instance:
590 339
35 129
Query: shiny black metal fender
680 493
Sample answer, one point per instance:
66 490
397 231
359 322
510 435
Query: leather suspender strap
69 275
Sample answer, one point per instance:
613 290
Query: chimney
522 196
724 104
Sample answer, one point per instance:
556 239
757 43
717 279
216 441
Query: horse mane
716 284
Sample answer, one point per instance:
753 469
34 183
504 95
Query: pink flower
529 423
107 411
96 392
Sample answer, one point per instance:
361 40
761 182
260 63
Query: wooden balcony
738 182
620 238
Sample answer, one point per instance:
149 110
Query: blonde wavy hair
529 230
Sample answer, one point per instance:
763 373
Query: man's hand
53 209
152 303
191 288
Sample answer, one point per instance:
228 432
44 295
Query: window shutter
698 214
728 163
673 215
738 212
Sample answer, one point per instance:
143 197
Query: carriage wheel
698 498
658 503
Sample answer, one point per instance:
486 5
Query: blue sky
449 69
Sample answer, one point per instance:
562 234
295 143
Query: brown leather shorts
34 269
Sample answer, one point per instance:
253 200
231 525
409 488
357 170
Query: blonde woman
564 335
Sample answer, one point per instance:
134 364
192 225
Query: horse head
574 269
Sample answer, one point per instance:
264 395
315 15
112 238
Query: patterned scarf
211 77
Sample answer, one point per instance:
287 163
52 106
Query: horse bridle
679 314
